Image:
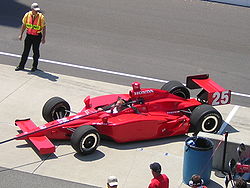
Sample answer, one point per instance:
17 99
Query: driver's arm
108 107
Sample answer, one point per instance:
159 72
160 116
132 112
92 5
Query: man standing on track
34 23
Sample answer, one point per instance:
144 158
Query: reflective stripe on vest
36 27
33 27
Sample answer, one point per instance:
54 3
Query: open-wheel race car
146 113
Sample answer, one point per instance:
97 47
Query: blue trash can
197 158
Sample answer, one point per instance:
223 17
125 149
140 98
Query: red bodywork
242 168
160 116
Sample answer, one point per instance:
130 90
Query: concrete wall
232 145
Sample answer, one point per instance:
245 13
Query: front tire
176 88
205 118
55 108
85 139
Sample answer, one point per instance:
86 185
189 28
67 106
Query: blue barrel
197 158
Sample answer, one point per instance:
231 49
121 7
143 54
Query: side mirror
87 102
136 86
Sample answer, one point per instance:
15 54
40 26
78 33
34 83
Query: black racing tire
55 108
85 139
205 118
176 88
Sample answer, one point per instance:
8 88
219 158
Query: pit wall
231 149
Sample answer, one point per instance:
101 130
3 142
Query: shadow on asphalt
232 3
143 144
230 129
91 157
109 143
44 75
12 12
31 146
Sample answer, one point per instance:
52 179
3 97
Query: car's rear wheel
55 108
176 88
205 118
85 139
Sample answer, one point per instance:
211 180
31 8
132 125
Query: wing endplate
212 92
42 143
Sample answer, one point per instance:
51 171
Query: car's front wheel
85 139
205 118
55 108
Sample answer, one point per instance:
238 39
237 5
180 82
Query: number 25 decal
221 97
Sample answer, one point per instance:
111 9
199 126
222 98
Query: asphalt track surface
166 40
12 178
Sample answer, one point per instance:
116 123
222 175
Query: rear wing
212 93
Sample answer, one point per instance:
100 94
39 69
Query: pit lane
123 160
177 38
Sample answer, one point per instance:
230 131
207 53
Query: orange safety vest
34 26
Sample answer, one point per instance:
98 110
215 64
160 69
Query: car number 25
221 97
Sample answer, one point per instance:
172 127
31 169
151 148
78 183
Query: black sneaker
33 69
19 68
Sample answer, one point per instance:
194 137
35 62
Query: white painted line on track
88 68
229 118
105 71
102 70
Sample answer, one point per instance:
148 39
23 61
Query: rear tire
85 139
176 88
205 118
55 108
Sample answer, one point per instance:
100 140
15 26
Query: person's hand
20 37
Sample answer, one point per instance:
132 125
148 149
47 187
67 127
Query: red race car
144 113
